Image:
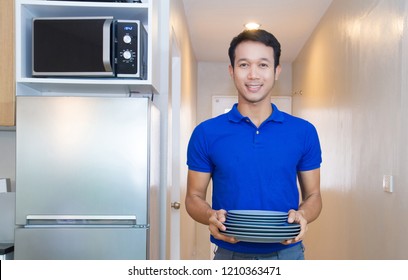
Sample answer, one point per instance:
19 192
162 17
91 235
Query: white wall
353 74
187 120
177 123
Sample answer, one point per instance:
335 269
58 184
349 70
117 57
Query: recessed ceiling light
252 26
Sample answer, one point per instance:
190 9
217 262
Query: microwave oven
88 47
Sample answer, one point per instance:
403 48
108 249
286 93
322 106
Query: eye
243 65
264 65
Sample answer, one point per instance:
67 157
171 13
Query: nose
252 72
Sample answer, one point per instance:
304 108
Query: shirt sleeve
197 152
312 154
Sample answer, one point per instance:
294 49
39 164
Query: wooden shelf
7 85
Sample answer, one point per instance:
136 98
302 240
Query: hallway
353 76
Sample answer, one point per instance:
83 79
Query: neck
256 112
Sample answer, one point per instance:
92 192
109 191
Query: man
254 154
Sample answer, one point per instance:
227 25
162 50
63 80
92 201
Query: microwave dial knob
127 39
127 55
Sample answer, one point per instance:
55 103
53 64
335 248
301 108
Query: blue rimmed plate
260 239
259 213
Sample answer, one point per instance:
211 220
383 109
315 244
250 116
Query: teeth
253 86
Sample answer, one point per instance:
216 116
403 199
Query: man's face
253 73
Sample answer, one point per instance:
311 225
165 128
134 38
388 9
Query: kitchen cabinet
7 93
26 84
6 251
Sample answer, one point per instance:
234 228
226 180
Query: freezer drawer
81 243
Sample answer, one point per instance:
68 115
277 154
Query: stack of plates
260 226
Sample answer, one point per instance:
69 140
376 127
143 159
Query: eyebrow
247 59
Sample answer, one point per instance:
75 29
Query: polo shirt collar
235 116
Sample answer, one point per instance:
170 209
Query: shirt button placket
256 137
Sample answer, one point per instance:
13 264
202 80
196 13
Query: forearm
198 209
311 204
311 207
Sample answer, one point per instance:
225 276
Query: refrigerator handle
85 220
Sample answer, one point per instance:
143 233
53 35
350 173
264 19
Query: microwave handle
107 45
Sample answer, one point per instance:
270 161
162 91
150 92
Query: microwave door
69 47
107 52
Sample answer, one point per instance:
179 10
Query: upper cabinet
145 12
7 93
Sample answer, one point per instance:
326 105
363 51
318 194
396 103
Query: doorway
174 150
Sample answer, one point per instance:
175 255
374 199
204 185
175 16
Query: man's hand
216 220
296 217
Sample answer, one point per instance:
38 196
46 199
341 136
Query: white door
174 152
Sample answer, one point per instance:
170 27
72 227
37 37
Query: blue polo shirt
254 168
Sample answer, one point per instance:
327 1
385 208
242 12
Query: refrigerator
87 178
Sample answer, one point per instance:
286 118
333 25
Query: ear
231 70
278 70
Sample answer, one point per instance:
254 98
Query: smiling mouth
253 88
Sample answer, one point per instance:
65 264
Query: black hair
257 35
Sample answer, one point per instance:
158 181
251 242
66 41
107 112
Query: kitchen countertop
6 248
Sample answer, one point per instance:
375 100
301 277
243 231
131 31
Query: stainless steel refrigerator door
7 217
81 244
82 156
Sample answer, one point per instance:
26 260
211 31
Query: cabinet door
7 96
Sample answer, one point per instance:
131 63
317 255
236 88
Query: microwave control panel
127 45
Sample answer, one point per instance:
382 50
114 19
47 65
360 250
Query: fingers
215 232
218 218
216 224
296 217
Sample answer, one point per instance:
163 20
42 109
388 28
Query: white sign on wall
222 104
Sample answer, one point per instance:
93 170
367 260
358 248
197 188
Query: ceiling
213 23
